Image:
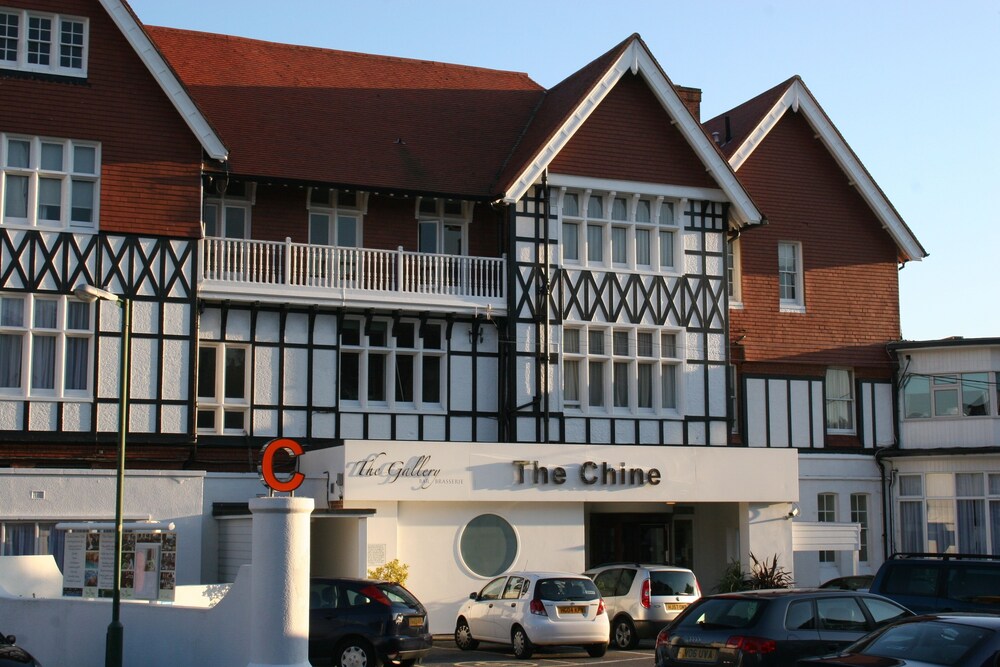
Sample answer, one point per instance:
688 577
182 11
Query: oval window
488 545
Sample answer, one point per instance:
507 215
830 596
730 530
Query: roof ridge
343 52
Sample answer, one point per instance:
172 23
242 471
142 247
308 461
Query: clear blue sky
899 79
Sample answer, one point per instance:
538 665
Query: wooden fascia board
798 99
637 59
165 77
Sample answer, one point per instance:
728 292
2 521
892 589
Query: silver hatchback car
642 598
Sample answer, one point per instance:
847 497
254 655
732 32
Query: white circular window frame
517 547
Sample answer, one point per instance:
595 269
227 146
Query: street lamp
116 632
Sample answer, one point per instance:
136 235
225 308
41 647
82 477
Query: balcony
354 277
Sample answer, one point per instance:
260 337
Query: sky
898 79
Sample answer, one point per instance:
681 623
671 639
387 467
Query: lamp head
793 513
89 293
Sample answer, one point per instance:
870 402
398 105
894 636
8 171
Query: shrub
764 574
393 571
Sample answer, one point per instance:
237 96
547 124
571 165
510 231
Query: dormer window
43 43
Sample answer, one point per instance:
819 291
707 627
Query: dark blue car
929 583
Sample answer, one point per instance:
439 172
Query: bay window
955 395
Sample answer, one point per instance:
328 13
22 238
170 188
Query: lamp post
116 632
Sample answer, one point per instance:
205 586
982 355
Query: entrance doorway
641 538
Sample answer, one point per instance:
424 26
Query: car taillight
600 607
644 599
536 607
752 645
663 637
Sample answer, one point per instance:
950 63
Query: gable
630 137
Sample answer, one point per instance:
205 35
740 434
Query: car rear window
398 595
911 580
722 613
666 582
565 588
935 642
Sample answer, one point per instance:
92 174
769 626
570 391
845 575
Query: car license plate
697 654
416 621
676 606
571 610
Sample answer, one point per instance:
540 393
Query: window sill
792 308
48 228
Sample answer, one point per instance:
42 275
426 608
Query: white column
279 620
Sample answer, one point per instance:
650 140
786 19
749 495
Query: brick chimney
691 97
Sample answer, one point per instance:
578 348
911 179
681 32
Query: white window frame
734 269
222 203
446 213
942 383
34 173
331 205
849 401
663 219
826 512
219 404
391 351
797 303
29 333
860 514
58 23
627 358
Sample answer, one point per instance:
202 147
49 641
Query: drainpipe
546 333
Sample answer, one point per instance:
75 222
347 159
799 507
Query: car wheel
623 634
354 653
521 644
463 636
596 650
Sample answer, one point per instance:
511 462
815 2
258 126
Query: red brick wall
851 282
150 160
280 212
629 137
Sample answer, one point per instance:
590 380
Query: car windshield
722 613
559 589
666 582
935 642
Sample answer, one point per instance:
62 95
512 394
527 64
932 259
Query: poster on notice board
148 572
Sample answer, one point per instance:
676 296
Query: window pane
621 384
376 377
596 383
350 332
404 378
52 157
971 526
571 204
71 45
995 526
644 344
206 373
428 205
45 314
43 362
236 373
642 247
975 395
11 312
84 160
431 385
571 241
571 381
595 340
667 213
77 356
595 207
859 514
946 402
319 229
619 209
405 334
236 222
595 243
431 334
642 211
83 201
10 361
234 420
206 420
378 333
39 40
940 526
571 341
668 387
49 199
211 219
620 343
668 345
347 231
427 241
16 197
8 36
911 485
917 397
645 386
18 153
666 249
619 247
349 371
347 199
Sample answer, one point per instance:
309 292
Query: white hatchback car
528 609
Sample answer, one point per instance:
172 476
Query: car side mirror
473 595
10 639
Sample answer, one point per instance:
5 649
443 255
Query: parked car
771 627
859 582
14 656
364 623
641 599
952 640
528 609
929 583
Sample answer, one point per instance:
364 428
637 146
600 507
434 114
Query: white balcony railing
243 262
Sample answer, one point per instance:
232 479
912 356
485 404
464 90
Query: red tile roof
297 113
744 118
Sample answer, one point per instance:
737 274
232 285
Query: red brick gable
150 160
629 137
851 282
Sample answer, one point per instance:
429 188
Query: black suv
364 623
930 583
772 627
